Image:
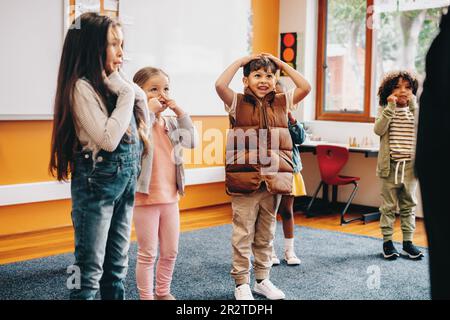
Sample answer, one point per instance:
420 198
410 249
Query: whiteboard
32 38
193 41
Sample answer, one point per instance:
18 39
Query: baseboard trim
15 194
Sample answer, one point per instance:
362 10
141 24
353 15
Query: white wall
357 165
193 41
31 34
339 131
301 16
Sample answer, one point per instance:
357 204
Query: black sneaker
389 251
411 251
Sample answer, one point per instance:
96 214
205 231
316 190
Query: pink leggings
152 223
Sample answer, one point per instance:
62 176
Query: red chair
331 160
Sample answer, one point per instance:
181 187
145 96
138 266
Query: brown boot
166 297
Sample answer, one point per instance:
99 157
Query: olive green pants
399 188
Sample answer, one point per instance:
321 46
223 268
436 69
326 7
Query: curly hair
391 79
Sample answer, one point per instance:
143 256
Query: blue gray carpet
334 266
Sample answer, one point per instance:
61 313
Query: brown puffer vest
259 146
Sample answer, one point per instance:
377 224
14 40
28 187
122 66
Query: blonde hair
142 76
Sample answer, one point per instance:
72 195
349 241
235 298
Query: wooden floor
14 248
371 229
194 219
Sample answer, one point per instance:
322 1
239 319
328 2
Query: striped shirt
401 134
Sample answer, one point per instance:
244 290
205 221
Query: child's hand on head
277 61
249 58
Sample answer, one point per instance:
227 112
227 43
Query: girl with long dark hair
99 134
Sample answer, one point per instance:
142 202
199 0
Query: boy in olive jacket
396 126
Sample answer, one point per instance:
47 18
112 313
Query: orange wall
206 123
266 26
25 149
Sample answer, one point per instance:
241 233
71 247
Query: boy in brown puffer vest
258 164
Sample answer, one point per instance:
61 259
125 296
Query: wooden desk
368 213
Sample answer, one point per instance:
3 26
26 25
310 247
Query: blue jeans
102 205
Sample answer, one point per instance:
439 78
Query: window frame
321 67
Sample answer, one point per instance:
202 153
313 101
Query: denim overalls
102 206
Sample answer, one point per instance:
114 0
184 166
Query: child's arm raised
384 116
223 82
412 102
140 100
186 132
106 131
303 86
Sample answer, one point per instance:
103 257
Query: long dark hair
83 56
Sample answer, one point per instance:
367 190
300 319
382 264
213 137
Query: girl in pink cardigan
156 214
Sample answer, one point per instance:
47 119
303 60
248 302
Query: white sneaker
291 258
275 260
243 292
267 288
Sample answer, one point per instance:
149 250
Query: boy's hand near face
389 111
411 99
392 99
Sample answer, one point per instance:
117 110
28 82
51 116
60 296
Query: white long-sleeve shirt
96 129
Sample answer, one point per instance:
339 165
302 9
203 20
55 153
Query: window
402 34
359 41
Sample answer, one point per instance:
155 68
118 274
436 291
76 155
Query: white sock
273 251
289 244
